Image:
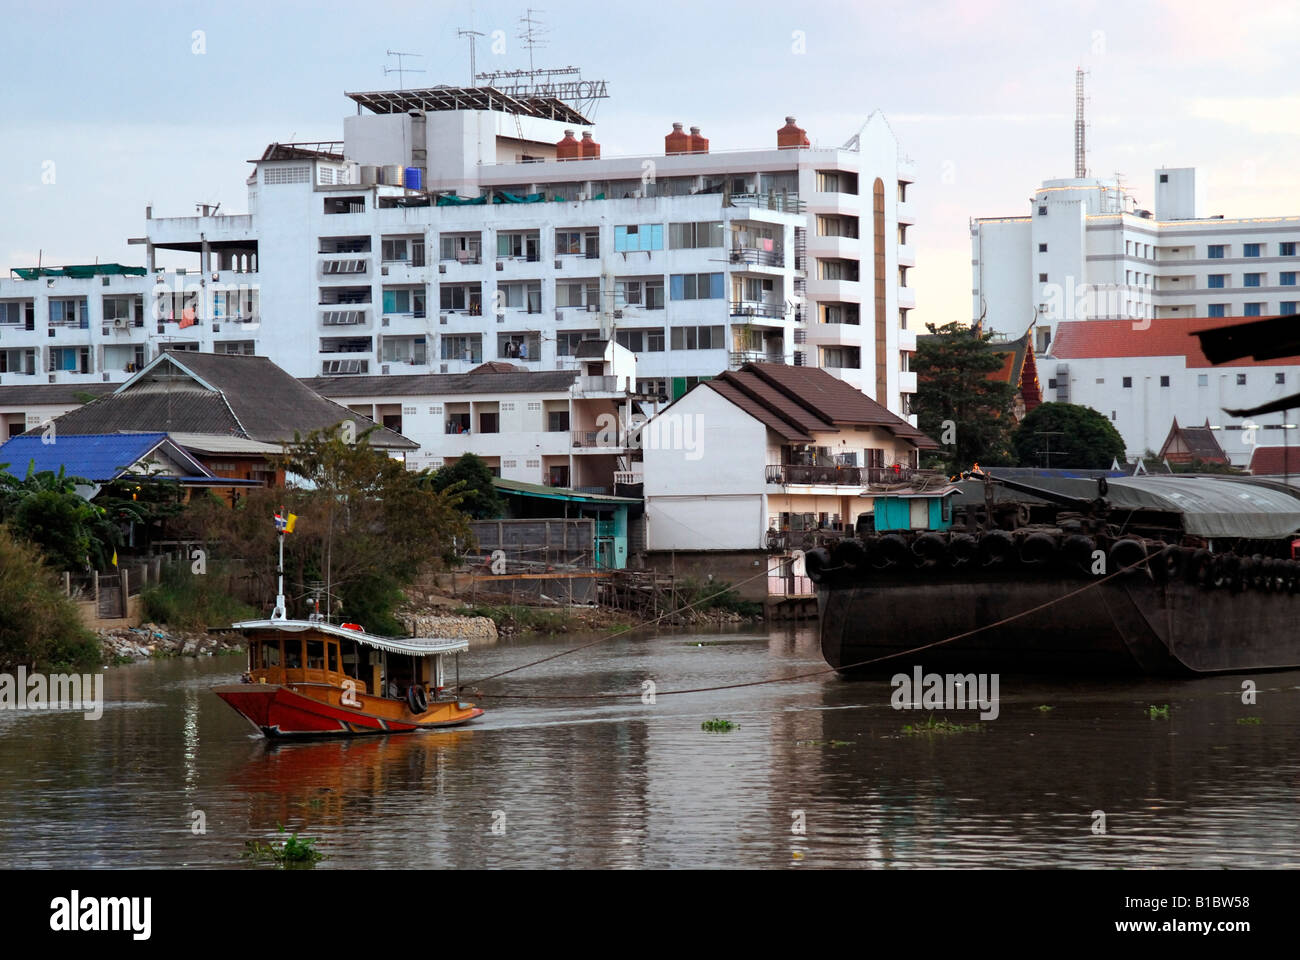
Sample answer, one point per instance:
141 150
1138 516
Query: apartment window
1250 249
1216 251
566 342
1254 310
69 359
698 338
1042 211
1218 309
842 357
1286 278
525 246
404 350
902 191
641 341
1164 178
1042 248
1253 279
1042 278
837 181
1051 383
1202 379
578 242
460 298
1217 281
70 313
395 250
838 269
344 204
243 348
19 312
1241 379
577 293
1279 378
1287 307
696 286
463 348
286 175
637 237
1128 381
831 226
557 421
1286 249
466 249
521 296
648 294
687 236
1164 381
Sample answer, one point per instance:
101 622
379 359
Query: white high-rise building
1085 251
454 226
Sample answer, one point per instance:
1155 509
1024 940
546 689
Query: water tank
589 148
414 178
699 144
677 141
393 174
791 136
369 174
568 148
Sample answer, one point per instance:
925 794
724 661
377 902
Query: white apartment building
563 428
1142 378
1085 251
455 226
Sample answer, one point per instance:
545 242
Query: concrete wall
746 570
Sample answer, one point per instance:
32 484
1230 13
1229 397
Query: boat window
315 654
270 654
333 650
293 655
253 654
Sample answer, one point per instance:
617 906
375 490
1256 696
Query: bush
39 626
714 595
192 603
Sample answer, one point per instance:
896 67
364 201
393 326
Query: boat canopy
1210 506
415 646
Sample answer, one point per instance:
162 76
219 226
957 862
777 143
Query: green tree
1079 437
39 626
470 478
46 509
957 405
366 525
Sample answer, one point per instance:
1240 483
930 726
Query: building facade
453 226
1085 251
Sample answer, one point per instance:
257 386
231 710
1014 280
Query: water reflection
621 784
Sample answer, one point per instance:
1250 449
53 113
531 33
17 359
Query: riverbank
149 641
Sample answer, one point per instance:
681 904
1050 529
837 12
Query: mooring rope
792 677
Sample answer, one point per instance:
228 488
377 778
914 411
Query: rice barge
1164 576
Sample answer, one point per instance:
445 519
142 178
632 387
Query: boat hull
1126 625
285 711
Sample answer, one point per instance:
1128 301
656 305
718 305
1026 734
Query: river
170 776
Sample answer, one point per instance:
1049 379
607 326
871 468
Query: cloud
1264 115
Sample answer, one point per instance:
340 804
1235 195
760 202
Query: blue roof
94 457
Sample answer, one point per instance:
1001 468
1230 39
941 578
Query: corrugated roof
556 493
97 457
214 443
591 349
468 98
1165 337
439 384
37 394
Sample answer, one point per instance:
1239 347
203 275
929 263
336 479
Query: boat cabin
902 510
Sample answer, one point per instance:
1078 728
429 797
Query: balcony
738 358
599 439
907 341
752 256
787 474
628 477
758 308
907 381
785 203
598 384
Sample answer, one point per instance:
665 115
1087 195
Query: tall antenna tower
473 43
1080 161
532 34
400 70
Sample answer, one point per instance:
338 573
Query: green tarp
81 270
451 200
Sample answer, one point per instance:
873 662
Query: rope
811 673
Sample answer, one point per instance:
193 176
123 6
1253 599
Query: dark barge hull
1126 625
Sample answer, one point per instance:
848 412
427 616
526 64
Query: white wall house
695 261
747 458
1141 378
1086 251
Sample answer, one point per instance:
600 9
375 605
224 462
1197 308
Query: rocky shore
150 641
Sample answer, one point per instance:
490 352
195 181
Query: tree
39 626
1077 436
366 525
46 509
471 478
957 404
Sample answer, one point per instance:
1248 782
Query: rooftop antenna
532 33
473 43
1080 146
400 70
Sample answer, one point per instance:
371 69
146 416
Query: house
1269 461
534 501
764 458
1190 444
24 406
230 412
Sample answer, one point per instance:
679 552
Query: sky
109 107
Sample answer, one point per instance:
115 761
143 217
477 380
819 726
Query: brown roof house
751 455
1189 444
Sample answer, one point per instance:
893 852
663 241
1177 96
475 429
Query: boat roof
417 646
1211 506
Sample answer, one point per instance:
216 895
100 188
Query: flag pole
279 613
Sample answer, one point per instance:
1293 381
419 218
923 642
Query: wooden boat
312 678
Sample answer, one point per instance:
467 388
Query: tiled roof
98 458
1164 337
1019 369
1192 443
438 384
1271 460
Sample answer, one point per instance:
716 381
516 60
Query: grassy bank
39 626
192 603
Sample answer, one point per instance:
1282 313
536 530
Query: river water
591 783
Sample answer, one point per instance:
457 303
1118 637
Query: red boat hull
279 711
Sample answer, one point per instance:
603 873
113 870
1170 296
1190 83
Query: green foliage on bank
39 625
192 603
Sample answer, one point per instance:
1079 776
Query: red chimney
568 148
677 142
791 136
698 143
589 147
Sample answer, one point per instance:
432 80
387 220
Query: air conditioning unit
105 331
216 327
557 264
52 378
501 318
383 368
618 314
442 368
383 271
442 319
121 323
500 265
559 316
442 268
384 322
592 308
106 378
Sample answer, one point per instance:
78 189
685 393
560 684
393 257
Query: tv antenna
473 43
1080 142
400 70
532 33
1047 453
